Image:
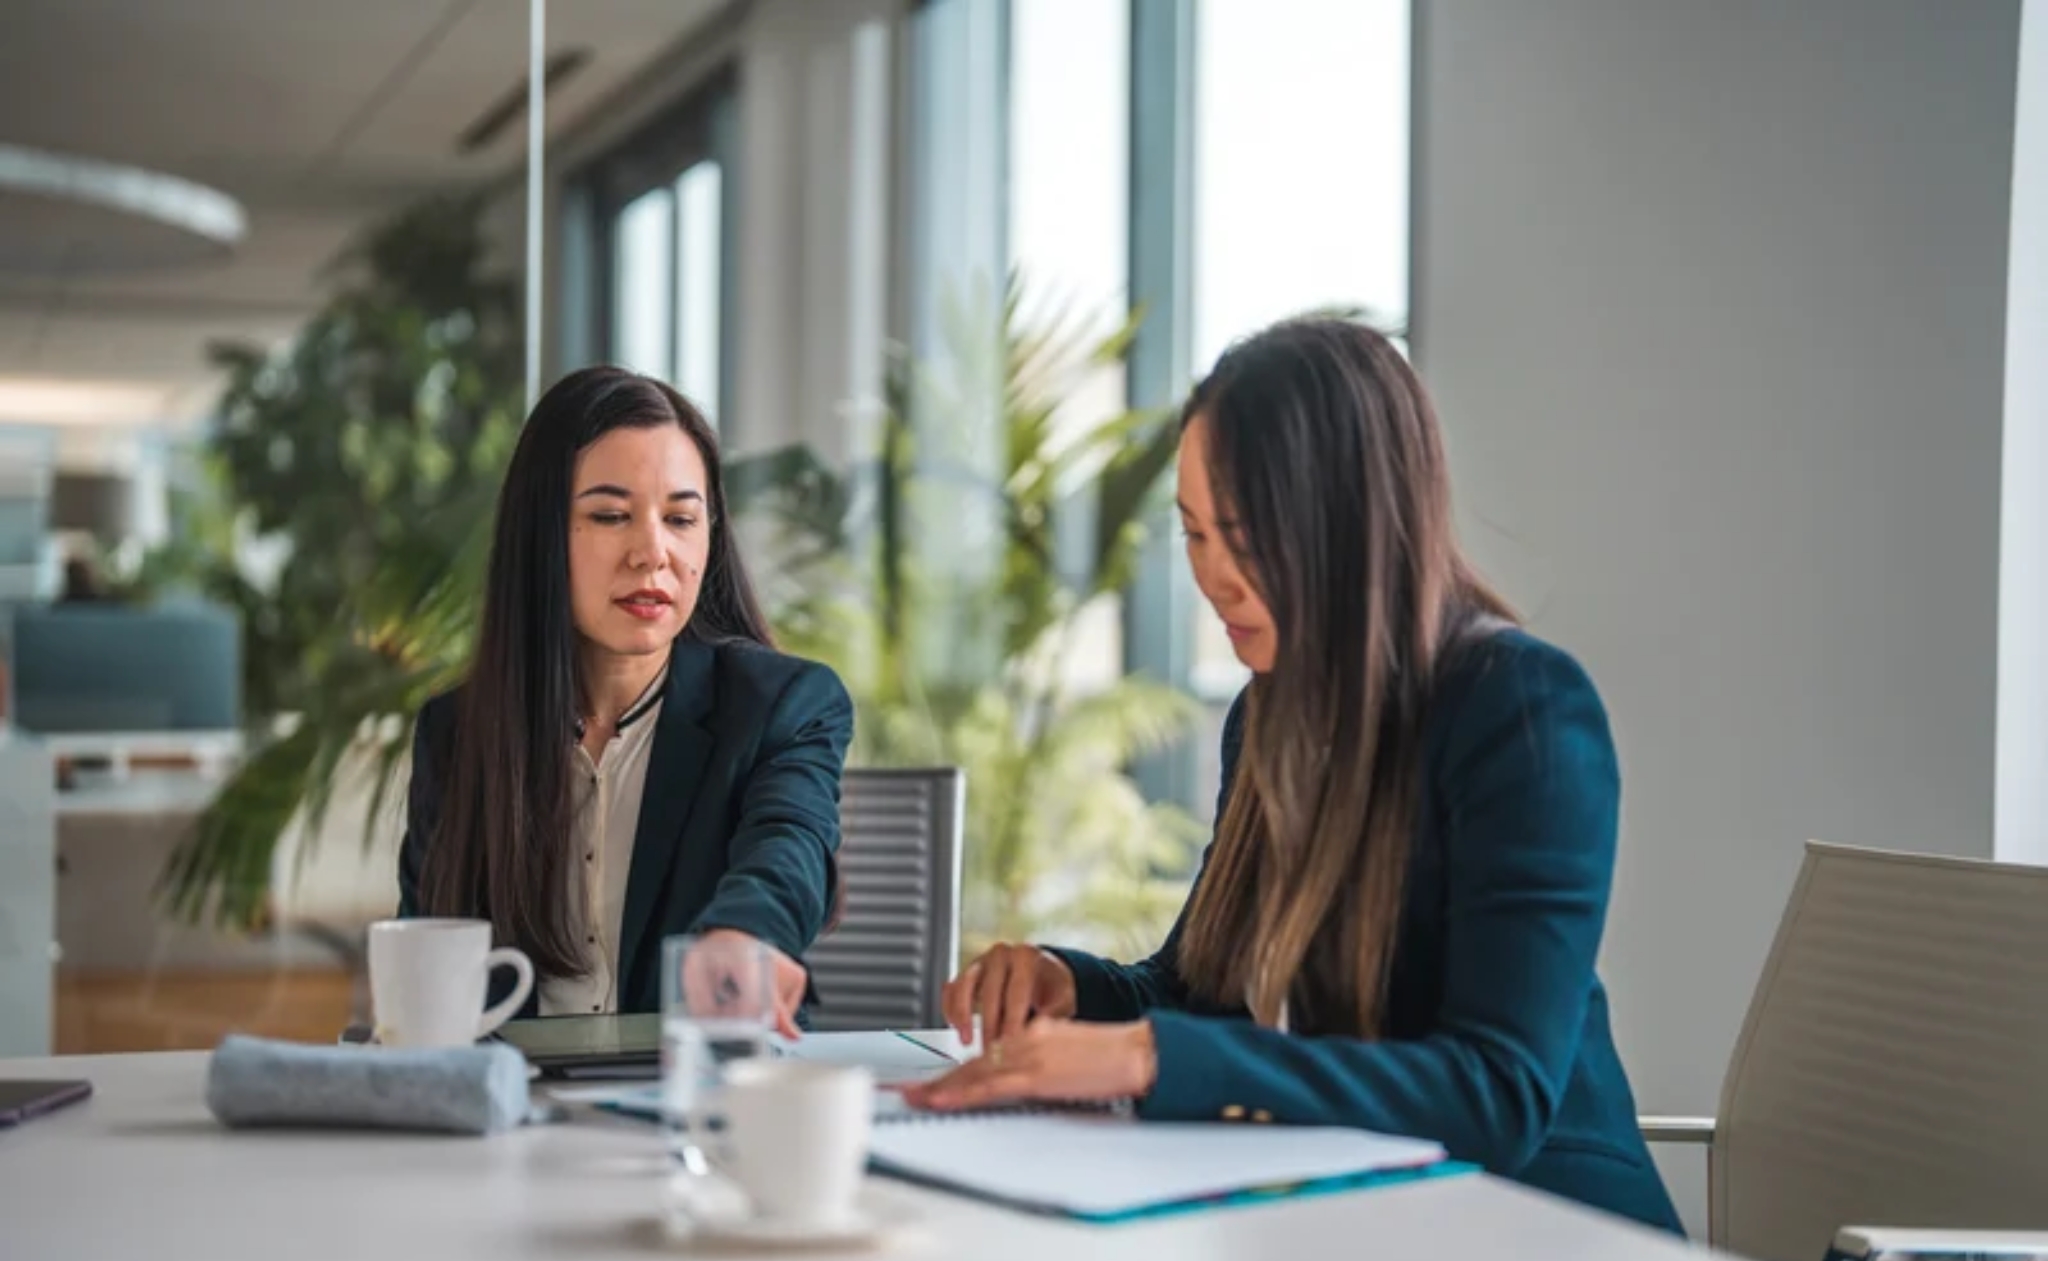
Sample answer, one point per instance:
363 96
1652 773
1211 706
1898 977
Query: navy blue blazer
739 818
1497 1042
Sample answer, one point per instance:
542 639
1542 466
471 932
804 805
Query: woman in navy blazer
626 702
1396 924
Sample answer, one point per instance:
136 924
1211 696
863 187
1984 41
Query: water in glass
718 1007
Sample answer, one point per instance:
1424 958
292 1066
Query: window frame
1159 607
700 125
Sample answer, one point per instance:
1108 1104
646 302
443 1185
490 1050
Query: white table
142 1170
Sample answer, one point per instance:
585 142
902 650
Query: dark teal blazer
739 818
1497 1042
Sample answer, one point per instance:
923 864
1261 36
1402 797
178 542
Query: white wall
2023 554
28 875
816 161
1712 297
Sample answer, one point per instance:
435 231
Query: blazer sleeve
1531 787
1107 990
782 859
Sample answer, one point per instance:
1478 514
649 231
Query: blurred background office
1733 313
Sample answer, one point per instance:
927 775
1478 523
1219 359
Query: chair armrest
1878 1241
1690 1130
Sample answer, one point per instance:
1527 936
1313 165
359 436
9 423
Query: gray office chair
1893 1067
898 938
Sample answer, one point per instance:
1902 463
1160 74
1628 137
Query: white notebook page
1105 1165
894 1059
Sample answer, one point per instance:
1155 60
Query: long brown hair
1325 450
502 845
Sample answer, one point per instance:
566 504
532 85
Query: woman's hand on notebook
1008 987
1059 1060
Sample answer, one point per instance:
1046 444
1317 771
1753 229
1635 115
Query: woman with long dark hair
1396 924
630 757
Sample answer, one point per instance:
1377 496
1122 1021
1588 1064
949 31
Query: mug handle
514 958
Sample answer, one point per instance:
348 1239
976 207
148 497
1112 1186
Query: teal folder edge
648 1112
1173 1208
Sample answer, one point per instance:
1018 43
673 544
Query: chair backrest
898 938
1893 1067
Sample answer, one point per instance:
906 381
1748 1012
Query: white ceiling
316 114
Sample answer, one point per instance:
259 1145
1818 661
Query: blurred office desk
199 757
177 795
132 978
143 1170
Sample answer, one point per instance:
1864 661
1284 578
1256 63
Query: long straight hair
1324 448
502 847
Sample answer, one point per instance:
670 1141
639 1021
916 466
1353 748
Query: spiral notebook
1094 1163
1099 1168
1088 1162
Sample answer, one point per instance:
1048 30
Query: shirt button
590 941
589 856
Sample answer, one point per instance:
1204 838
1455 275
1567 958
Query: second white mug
796 1138
429 979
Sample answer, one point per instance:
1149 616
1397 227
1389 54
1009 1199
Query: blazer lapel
675 769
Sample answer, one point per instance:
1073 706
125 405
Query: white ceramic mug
429 979
795 1138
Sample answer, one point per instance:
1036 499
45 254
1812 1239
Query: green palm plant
369 451
964 655
948 664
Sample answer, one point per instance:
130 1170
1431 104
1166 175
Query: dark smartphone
23 1100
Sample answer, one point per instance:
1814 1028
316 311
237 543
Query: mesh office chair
1893 1067
897 942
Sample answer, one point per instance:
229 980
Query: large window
643 282
1070 145
658 212
1219 164
1068 221
1301 162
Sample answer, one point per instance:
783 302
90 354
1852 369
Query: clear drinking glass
718 1006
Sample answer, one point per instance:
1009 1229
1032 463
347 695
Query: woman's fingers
1004 1071
1001 986
1018 987
957 1002
972 1086
989 995
790 985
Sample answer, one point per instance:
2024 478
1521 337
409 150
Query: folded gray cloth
460 1090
